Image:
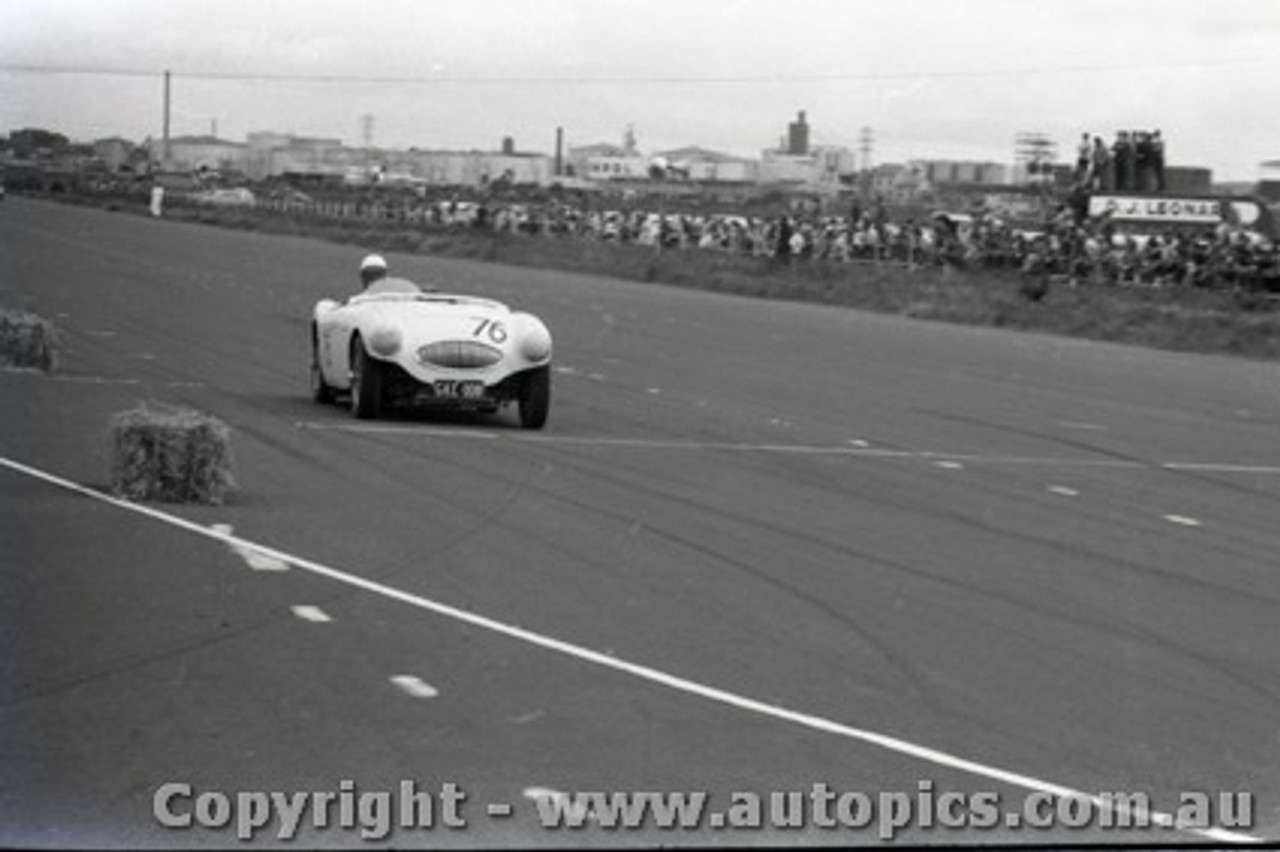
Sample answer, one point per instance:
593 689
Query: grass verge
1175 318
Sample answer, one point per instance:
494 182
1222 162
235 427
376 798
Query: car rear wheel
535 398
366 383
320 390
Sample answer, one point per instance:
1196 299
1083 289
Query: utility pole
164 149
866 143
1034 155
366 132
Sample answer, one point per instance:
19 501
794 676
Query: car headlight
535 341
385 341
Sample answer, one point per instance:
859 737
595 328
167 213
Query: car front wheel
366 383
320 390
535 398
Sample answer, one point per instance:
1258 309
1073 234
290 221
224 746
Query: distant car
396 345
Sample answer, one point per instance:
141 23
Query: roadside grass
1174 318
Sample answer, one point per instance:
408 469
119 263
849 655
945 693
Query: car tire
535 398
366 383
320 390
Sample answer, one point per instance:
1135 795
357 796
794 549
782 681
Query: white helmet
372 262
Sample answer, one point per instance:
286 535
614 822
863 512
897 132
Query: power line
745 79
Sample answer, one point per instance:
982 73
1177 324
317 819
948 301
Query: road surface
759 547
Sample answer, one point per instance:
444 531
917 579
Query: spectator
1142 181
1102 175
1122 157
1084 160
783 245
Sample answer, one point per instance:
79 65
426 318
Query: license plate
447 389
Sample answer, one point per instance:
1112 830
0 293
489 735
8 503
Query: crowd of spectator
1134 162
1069 245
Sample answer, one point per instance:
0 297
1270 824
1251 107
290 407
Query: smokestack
559 151
798 135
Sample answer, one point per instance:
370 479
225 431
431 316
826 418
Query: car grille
459 355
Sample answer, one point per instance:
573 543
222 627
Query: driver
372 268
374 278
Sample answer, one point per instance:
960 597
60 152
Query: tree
34 141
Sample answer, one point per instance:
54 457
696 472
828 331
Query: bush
27 340
172 454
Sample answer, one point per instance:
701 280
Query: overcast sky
932 78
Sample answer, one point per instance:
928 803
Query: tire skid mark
1127 629
642 672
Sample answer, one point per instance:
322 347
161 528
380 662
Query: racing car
403 346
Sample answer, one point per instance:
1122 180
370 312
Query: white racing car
401 346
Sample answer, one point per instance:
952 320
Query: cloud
930 73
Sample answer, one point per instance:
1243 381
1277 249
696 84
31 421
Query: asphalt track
758 547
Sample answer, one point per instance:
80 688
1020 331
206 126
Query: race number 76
496 331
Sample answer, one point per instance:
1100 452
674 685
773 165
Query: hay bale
27 340
170 453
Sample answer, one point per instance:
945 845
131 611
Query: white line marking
397 430
526 718
311 613
1215 467
1181 519
596 377
415 686
1063 490
94 380
858 442
654 391
856 450
637 670
721 446
253 557
103 380
1074 424
949 465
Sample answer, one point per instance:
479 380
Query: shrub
170 453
